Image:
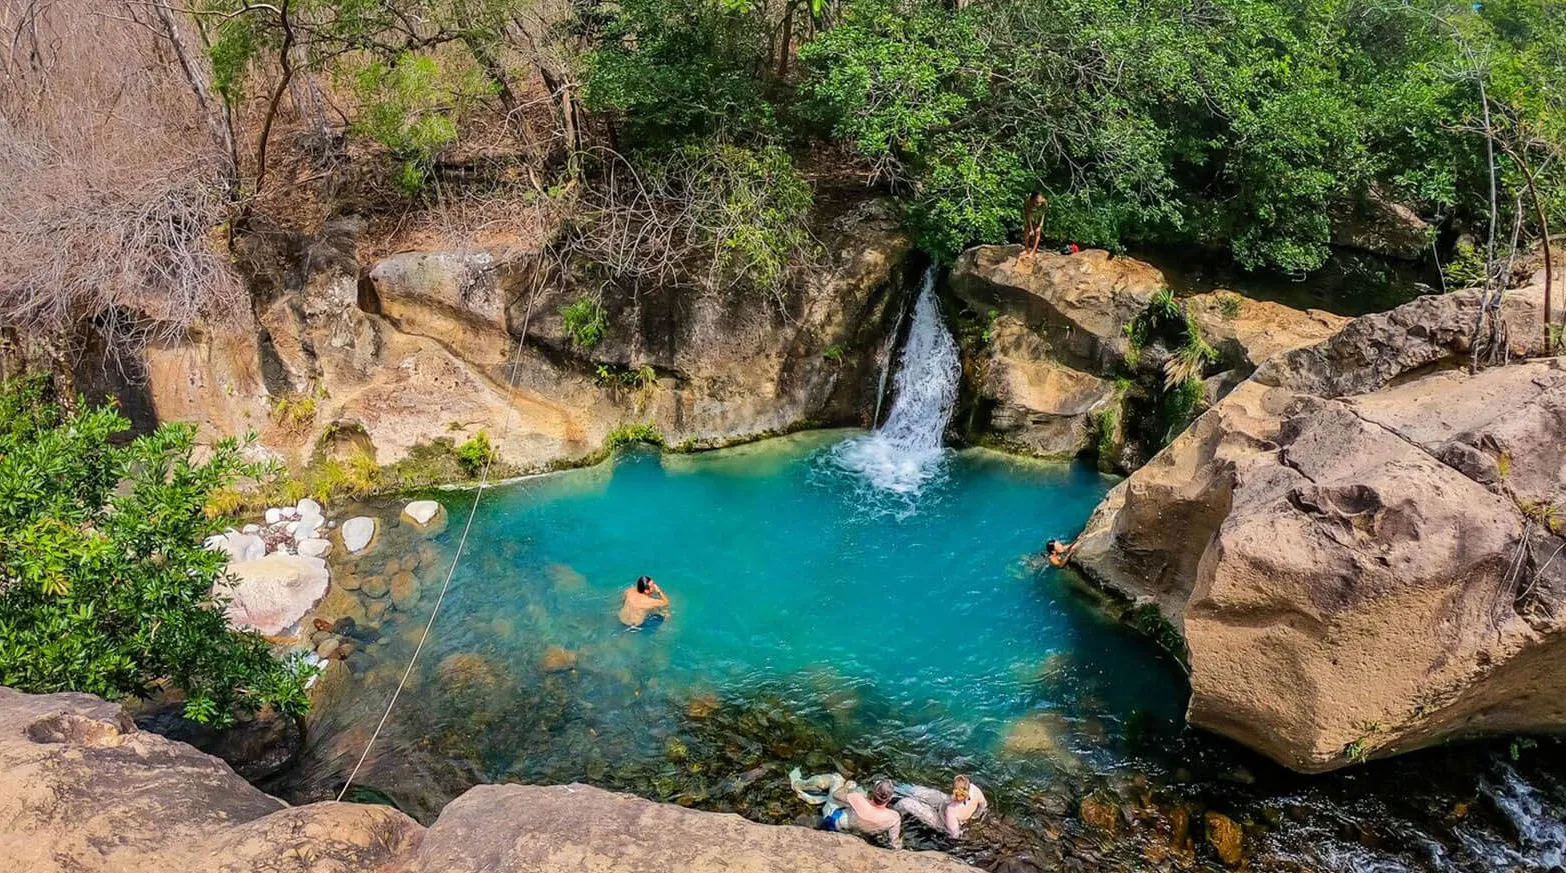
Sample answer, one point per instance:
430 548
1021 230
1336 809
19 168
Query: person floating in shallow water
641 600
942 812
846 807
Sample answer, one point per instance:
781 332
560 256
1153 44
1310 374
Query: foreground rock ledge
83 791
1359 546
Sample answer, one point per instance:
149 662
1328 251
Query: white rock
307 527
357 533
215 543
308 507
271 594
422 511
315 547
274 515
251 529
245 547
290 527
289 512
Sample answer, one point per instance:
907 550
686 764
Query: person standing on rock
641 600
1033 223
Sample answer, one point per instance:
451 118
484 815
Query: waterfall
905 453
886 361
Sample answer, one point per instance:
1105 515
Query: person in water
846 807
942 812
1058 553
641 600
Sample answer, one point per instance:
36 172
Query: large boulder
1380 225
1355 546
1034 403
271 594
83 791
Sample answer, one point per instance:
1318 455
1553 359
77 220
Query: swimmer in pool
1059 553
641 599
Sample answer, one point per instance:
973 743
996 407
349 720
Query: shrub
105 586
476 455
584 321
631 434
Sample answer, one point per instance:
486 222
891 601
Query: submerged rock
426 516
358 533
1341 590
1225 837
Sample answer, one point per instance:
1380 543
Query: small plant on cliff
1229 305
631 434
105 586
476 454
584 321
833 353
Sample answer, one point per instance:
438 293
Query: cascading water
905 453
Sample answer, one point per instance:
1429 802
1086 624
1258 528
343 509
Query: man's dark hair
1050 546
642 583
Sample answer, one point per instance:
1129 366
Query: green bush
584 321
105 586
631 434
476 454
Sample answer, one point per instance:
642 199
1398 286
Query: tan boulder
1035 403
1247 332
1226 838
1081 303
404 590
1338 551
270 594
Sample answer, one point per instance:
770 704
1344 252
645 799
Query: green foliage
294 411
833 353
616 376
105 586
631 434
1229 305
584 321
1181 405
409 105
1466 269
674 70
476 455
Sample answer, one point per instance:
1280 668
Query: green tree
105 586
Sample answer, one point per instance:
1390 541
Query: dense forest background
696 141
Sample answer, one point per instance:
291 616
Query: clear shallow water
822 622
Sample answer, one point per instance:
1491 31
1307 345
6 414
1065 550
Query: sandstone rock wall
1046 378
1358 545
418 346
83 791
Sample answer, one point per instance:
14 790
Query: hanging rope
462 542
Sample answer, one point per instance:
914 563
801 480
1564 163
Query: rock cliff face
1045 379
83 791
386 354
1359 546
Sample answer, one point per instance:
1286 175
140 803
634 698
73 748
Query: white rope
511 387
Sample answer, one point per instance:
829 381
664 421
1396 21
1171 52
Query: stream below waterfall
865 603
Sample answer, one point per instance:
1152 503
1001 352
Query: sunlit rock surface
83 791
1358 546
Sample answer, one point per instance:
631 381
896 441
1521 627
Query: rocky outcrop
381 356
269 595
1358 546
83 791
1055 343
1380 225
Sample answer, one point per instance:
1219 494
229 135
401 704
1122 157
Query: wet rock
1225 837
271 594
376 610
358 533
1042 734
466 671
565 577
404 589
374 586
350 581
557 659
1099 814
425 516
339 604
328 647
702 705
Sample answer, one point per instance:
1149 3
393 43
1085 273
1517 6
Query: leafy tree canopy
105 586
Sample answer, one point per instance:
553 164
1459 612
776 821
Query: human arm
894 834
953 824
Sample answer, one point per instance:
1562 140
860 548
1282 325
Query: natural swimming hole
894 625
824 623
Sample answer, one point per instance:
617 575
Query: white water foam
905 455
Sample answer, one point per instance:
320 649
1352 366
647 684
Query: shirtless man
1032 224
640 599
868 815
